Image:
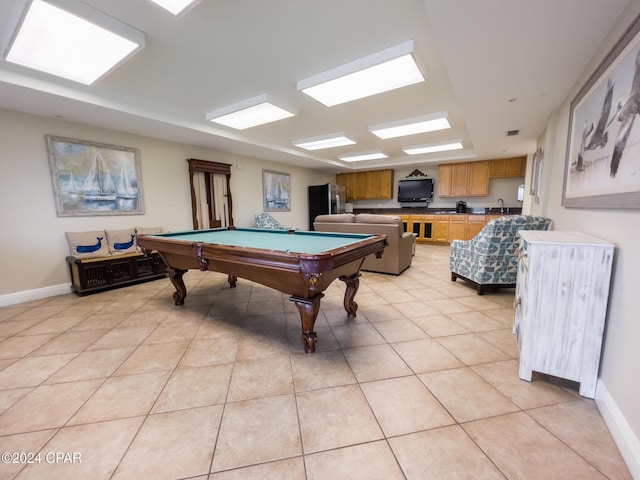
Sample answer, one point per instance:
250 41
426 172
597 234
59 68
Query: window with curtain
210 194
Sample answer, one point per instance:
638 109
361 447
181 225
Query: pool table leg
353 283
175 275
308 309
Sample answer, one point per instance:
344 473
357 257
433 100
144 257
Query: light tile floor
422 384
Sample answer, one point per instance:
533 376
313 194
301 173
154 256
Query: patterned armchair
489 259
264 220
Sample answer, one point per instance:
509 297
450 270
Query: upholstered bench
102 260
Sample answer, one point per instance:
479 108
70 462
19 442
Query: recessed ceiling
476 56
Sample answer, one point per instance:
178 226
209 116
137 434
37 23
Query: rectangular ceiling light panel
176 7
433 147
254 111
363 156
81 46
380 72
325 141
411 126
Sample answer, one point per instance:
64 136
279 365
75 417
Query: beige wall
32 235
619 389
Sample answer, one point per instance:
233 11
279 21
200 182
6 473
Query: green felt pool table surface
280 240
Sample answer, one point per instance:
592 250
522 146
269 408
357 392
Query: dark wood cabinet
90 275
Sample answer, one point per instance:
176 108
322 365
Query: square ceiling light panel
254 111
434 147
325 141
177 7
69 39
380 72
411 126
363 156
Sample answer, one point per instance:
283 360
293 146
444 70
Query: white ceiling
476 54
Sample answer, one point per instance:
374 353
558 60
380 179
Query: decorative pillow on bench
121 241
87 244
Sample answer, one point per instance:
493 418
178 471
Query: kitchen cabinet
469 179
473 225
348 180
562 289
508 167
460 180
478 183
367 185
445 177
458 227
441 228
421 226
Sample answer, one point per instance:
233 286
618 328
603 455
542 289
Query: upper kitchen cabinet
508 167
368 185
463 179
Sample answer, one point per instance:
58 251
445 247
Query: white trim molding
36 294
621 431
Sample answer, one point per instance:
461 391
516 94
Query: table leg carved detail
353 283
175 275
308 309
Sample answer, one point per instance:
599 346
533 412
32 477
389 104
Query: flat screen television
415 190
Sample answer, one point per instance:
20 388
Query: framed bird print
602 167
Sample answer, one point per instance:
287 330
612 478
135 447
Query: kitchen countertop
439 211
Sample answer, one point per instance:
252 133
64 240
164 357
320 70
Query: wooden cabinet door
385 184
460 180
507 167
445 177
363 180
457 227
515 167
497 168
441 229
475 223
478 185
349 182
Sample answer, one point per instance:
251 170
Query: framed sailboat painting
94 179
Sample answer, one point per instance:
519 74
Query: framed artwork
602 166
94 179
536 174
276 189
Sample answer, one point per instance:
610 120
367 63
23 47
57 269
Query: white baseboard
622 434
37 294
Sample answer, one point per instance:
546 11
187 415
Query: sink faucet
501 205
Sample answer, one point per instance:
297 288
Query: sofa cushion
121 241
373 218
87 244
336 218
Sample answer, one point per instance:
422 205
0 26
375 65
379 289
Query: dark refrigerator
325 199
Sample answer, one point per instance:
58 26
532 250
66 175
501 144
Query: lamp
70 39
382 71
251 112
411 126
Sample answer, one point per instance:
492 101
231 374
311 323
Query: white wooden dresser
562 290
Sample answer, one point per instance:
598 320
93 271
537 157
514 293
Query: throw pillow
121 241
87 244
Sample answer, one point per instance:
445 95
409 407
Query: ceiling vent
512 133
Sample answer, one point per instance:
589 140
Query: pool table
299 263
